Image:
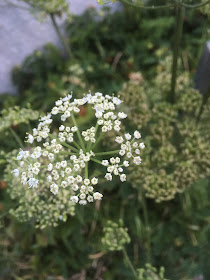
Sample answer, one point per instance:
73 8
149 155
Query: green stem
86 170
63 143
77 145
178 35
98 140
90 143
147 7
63 40
107 153
129 263
17 138
193 6
95 160
146 220
78 133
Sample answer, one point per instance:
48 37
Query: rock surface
21 34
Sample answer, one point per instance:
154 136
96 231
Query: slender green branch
147 7
148 231
63 143
17 138
178 35
107 153
86 170
98 140
96 160
90 143
195 6
77 145
78 133
63 40
129 263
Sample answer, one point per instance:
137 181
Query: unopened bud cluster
115 236
15 116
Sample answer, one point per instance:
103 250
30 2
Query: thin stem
147 7
178 35
195 6
86 170
78 133
77 145
96 160
63 143
107 153
90 143
129 263
146 220
17 138
98 140
63 40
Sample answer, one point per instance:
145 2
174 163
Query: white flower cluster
130 147
89 134
69 152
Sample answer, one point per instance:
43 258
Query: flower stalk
177 40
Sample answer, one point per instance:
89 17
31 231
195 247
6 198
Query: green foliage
177 153
106 54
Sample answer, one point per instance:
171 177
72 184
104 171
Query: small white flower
55 110
86 182
61 128
94 181
112 160
97 196
74 199
15 172
30 139
90 189
125 163
137 151
122 177
127 136
137 160
108 176
116 101
82 202
105 162
119 139
54 188
90 198
33 182
137 135
122 115
50 167
75 187
82 196
122 152
141 145
64 184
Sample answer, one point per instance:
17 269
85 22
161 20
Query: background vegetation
128 52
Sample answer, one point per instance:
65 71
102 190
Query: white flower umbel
65 154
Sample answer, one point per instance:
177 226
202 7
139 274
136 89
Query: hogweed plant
64 155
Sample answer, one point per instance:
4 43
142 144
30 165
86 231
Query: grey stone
202 77
21 34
